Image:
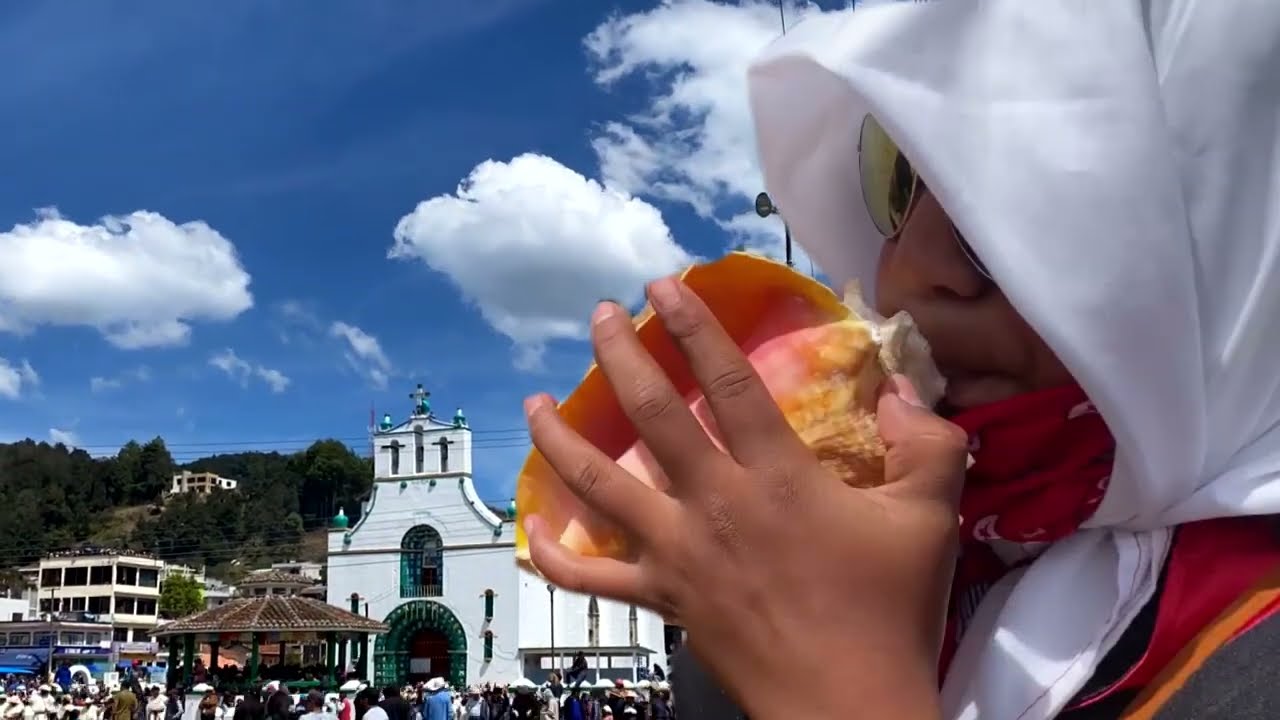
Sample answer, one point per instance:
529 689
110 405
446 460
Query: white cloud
364 353
692 139
242 371
66 437
139 279
535 244
102 384
16 380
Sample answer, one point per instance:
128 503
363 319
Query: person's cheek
885 293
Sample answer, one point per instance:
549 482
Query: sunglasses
891 187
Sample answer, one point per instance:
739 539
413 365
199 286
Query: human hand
783 575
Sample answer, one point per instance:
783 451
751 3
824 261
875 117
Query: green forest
58 498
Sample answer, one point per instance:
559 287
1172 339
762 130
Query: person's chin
970 391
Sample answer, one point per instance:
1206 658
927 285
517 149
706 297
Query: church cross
420 404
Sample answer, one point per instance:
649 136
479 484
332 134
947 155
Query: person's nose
926 258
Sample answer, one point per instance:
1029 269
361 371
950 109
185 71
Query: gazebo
266 620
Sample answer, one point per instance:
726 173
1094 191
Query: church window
394 447
421 563
593 622
633 629
444 443
488 604
419 451
488 646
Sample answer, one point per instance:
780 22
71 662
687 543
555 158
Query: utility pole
551 591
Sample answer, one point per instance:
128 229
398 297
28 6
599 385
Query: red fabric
1212 563
1041 465
1042 462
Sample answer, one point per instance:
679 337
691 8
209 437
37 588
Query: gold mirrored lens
888 180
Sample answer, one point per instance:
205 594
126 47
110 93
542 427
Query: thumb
924 454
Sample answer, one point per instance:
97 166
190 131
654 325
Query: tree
58 498
180 595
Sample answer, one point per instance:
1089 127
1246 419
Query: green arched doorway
421 633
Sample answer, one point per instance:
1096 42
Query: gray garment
1238 682
695 694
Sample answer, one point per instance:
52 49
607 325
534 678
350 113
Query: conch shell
823 360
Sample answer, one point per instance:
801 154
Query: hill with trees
56 498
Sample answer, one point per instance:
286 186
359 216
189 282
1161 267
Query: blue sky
313 211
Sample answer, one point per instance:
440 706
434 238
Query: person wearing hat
40 703
12 707
438 704
550 701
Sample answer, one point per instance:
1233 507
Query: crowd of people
554 700
135 699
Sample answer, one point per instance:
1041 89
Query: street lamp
551 592
765 208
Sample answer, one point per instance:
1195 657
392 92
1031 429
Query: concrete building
437 565
15 609
200 483
274 582
79 643
313 570
216 593
120 589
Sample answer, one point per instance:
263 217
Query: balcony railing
409 590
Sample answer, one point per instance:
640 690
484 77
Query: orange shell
823 360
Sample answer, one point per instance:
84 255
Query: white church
437 565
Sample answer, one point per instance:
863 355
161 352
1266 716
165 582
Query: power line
225 550
484 435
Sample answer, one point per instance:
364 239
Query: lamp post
53 632
551 592
765 208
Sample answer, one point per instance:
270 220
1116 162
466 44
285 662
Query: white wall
475 559
432 432
365 559
9 607
572 620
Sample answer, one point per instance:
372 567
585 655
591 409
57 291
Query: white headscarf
1116 165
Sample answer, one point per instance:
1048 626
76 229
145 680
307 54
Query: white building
12 609
216 593
437 565
260 583
313 570
115 587
201 483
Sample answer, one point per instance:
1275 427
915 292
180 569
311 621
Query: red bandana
1041 466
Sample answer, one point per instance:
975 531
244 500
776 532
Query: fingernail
903 388
530 524
532 404
664 294
603 311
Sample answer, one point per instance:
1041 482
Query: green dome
459 420
511 509
341 521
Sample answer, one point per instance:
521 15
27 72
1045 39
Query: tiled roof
274 577
273 613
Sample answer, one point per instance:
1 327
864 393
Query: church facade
434 562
